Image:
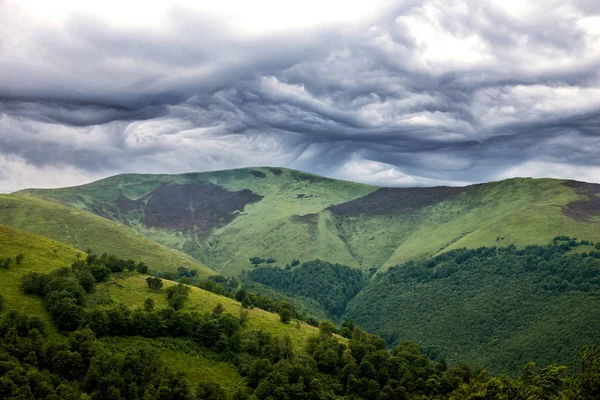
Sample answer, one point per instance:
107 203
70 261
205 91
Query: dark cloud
427 93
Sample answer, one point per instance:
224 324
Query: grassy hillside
282 218
44 255
40 255
204 347
223 218
84 230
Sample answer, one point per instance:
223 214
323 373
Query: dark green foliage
63 293
493 307
210 391
19 258
149 304
305 308
154 283
332 285
256 260
218 309
285 315
5 262
177 295
33 365
244 316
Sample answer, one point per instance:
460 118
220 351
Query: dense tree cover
308 309
493 307
276 302
77 365
332 285
34 364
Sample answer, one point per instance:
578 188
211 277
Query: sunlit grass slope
83 230
133 290
286 224
44 255
293 217
184 355
40 254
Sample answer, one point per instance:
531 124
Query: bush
154 283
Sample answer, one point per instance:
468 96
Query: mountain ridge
223 218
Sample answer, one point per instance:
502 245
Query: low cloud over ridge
410 94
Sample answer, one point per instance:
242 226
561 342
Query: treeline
36 365
331 285
7 261
238 290
493 307
64 290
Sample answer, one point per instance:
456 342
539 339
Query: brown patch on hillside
388 201
589 206
190 207
306 218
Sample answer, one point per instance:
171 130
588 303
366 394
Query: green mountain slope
40 254
43 255
83 230
223 218
490 307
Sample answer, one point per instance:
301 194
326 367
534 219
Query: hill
43 255
121 335
40 254
223 218
490 307
83 230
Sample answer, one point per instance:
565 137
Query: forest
331 285
336 362
492 307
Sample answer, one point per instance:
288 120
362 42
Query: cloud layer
415 93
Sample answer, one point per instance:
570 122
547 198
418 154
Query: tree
19 258
149 304
285 315
66 314
258 370
219 309
243 316
142 268
154 283
326 327
210 391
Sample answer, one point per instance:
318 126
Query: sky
392 93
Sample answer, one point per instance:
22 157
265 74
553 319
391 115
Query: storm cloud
408 93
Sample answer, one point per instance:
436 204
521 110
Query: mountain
42 255
98 331
223 218
491 307
83 230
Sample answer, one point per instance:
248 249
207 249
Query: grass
44 255
40 255
292 221
83 230
132 290
198 363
